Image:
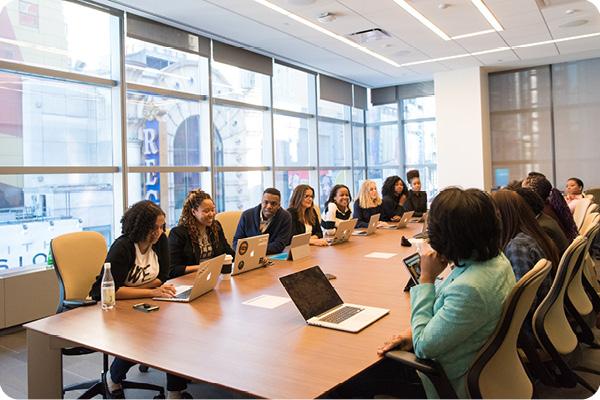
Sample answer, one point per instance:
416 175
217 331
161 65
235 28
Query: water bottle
107 290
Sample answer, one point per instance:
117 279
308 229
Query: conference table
262 352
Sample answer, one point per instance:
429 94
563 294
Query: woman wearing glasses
304 215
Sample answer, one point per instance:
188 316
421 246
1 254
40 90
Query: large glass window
237 84
420 148
59 126
383 142
521 126
56 34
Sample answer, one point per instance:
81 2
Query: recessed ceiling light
573 24
326 17
409 9
589 35
570 11
324 31
487 14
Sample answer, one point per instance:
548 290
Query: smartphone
145 307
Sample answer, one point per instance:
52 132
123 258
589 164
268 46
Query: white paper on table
378 254
267 301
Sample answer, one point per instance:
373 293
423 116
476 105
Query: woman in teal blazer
452 320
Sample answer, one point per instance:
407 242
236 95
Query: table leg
44 366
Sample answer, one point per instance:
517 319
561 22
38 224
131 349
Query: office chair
551 325
229 221
581 302
497 371
78 259
580 211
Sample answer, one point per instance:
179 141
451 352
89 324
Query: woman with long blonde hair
367 204
198 236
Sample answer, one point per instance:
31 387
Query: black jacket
417 202
183 252
121 257
298 227
390 207
364 214
279 229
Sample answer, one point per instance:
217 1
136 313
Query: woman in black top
417 199
367 204
140 265
198 236
394 195
304 215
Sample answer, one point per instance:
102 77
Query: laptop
343 232
250 254
205 280
298 248
423 234
320 304
373 221
404 220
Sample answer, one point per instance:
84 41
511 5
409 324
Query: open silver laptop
343 232
373 221
320 304
205 280
250 254
423 234
404 220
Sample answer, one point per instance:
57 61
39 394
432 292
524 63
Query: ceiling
259 28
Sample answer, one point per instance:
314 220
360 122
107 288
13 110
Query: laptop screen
311 291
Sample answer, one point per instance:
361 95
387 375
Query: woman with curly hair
394 194
304 215
139 261
198 236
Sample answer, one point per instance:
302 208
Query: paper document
267 301
377 254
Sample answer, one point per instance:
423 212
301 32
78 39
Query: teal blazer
451 321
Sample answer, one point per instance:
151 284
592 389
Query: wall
463 128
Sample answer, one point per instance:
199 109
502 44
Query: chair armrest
70 304
408 358
429 368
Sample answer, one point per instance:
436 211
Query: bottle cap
107 265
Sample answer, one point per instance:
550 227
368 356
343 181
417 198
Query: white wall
463 129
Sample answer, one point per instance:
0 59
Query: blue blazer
279 230
451 322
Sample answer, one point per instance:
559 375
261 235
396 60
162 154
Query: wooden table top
269 353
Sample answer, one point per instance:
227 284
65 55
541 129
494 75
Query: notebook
320 304
250 254
343 232
373 222
205 280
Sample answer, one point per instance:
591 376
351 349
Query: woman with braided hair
198 236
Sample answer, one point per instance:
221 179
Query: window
418 125
520 119
383 142
59 126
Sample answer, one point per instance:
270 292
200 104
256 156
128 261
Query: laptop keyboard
341 315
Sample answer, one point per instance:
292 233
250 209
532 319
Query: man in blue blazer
267 217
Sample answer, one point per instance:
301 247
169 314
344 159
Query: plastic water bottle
107 291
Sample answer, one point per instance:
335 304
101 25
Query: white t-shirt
308 228
145 269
